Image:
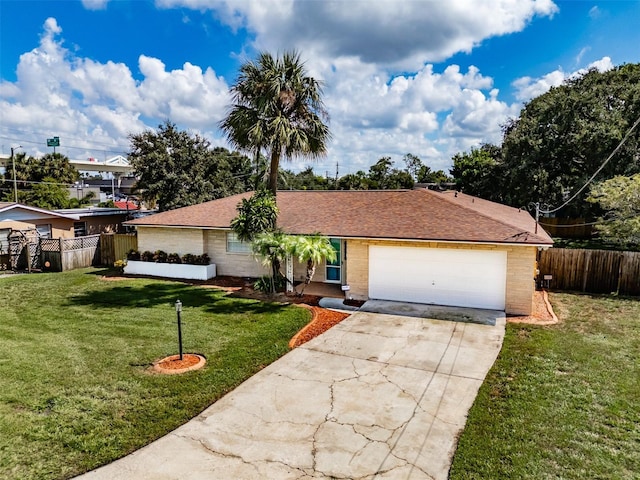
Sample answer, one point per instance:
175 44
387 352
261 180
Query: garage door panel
473 278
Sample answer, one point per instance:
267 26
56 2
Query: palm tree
277 107
256 214
273 248
312 249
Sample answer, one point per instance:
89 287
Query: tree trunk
273 170
311 270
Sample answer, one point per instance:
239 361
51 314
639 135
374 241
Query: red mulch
188 360
323 320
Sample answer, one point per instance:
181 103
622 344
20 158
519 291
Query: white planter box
171 270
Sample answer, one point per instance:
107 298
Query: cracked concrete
376 397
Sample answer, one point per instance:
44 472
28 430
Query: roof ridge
477 212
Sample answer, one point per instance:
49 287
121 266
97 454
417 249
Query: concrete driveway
377 396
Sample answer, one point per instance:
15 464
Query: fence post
585 274
620 272
61 241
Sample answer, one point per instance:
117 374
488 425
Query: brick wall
171 240
358 269
521 264
233 264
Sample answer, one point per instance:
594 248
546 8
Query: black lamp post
178 312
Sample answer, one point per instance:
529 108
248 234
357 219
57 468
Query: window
79 229
4 240
44 230
234 245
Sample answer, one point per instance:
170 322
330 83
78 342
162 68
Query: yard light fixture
178 312
15 183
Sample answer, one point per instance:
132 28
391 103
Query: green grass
75 391
561 401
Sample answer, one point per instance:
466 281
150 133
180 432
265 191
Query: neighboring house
421 246
94 220
66 223
24 217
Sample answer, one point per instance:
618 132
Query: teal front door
334 269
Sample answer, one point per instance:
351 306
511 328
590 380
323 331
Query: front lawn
75 391
560 401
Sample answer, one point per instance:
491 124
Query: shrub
174 258
188 258
160 256
263 284
119 265
202 259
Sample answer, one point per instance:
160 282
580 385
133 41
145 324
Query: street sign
53 142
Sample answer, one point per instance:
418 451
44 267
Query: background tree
277 107
354 181
304 180
477 172
177 169
422 173
564 135
620 198
42 182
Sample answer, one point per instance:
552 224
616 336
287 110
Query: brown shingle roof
398 214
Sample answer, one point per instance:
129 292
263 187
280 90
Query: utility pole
15 182
337 165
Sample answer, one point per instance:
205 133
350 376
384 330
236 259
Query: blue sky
424 77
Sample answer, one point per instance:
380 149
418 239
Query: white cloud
528 88
400 33
581 54
89 102
595 12
95 4
428 111
601 65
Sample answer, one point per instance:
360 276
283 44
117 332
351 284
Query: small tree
312 249
273 248
620 197
256 214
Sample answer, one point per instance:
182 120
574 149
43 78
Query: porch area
322 289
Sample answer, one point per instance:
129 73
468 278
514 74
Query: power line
116 149
624 139
573 225
45 134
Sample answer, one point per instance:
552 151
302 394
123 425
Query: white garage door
464 278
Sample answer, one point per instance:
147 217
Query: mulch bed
322 320
173 364
542 312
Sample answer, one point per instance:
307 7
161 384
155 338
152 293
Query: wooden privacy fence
593 271
61 254
115 246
